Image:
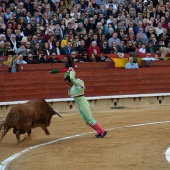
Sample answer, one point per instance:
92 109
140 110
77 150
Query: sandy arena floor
126 148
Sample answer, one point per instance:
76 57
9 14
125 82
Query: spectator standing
130 64
22 50
18 60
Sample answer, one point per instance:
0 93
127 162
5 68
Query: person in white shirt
106 4
114 4
142 49
159 29
149 57
110 20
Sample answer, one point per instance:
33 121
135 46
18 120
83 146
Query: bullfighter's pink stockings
99 129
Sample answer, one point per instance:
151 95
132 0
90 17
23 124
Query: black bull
23 117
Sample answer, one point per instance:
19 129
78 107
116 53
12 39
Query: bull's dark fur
23 117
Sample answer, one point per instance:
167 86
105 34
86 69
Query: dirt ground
126 147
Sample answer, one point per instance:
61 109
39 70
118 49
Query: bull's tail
58 114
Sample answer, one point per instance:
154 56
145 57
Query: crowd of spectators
86 27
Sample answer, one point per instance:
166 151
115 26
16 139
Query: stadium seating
119 63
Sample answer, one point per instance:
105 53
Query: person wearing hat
76 90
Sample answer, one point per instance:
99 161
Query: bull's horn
58 113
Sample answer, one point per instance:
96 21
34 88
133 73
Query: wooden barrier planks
160 63
3 68
93 65
98 82
39 67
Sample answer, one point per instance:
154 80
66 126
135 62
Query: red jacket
90 50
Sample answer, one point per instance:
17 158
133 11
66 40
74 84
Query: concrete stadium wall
68 105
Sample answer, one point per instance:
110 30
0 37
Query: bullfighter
76 90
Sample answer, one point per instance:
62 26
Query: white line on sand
3 164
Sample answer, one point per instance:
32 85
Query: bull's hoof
47 132
24 139
29 137
20 141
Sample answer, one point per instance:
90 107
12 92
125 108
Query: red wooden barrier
39 67
98 82
3 68
93 65
160 63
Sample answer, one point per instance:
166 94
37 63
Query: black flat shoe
98 135
103 135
